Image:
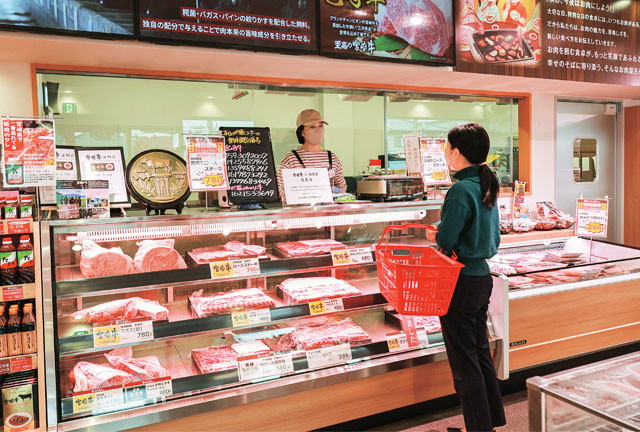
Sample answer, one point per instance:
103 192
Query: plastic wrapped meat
96 261
124 309
545 224
222 303
209 254
430 323
224 357
565 221
307 247
146 368
158 255
304 290
91 376
241 248
521 281
326 334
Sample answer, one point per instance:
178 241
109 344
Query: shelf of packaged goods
69 283
536 236
16 226
18 363
17 292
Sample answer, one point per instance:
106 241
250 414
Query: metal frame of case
369 361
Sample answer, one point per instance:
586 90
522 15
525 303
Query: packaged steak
96 261
304 290
225 357
331 333
431 324
158 255
91 376
545 224
145 368
223 303
307 247
241 248
124 309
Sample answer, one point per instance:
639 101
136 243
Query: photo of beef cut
91 376
421 23
158 255
96 261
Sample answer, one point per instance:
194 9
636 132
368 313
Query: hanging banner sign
435 170
28 152
592 217
206 163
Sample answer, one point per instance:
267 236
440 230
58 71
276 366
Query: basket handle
389 228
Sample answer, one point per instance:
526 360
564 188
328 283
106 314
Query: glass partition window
585 160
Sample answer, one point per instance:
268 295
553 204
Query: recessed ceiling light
67 91
209 97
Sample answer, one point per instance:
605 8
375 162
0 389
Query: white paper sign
398 341
256 367
99 400
159 388
206 163
251 317
140 392
412 155
328 356
105 164
66 169
307 186
361 255
434 165
592 217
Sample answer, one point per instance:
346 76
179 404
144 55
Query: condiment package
18 408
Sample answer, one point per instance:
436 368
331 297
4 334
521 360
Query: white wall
15 89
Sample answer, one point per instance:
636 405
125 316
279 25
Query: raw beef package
224 357
145 368
158 255
250 250
222 303
304 290
331 333
231 250
307 247
91 376
96 261
124 309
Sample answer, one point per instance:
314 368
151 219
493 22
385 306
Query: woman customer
311 154
470 227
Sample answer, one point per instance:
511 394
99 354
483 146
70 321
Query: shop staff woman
470 227
311 154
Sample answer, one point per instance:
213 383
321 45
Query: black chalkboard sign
250 166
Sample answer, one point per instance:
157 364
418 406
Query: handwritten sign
307 186
206 163
250 165
592 217
412 155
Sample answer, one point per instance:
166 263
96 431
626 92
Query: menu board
591 41
401 30
275 24
28 152
105 163
206 163
112 18
250 166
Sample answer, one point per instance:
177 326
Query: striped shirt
313 160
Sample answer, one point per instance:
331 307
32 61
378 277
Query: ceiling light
67 91
209 97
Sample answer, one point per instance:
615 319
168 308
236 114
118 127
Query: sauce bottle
14 339
3 335
3 202
8 262
26 270
28 329
11 209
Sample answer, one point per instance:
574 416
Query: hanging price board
328 356
251 317
235 268
351 256
267 365
592 217
122 333
326 306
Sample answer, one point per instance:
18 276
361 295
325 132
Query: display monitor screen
401 30
103 18
288 25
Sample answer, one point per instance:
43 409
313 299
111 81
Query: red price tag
12 293
19 364
19 227
5 366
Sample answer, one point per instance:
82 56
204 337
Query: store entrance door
585 156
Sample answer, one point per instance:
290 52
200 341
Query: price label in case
108 398
251 317
123 333
235 268
256 367
398 341
157 388
352 256
326 306
328 356
84 403
106 335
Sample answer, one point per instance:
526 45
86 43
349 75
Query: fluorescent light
209 97
67 91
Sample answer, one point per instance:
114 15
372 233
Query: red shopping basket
415 280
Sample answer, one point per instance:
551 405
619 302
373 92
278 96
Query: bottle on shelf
3 202
14 337
3 335
26 207
8 262
26 270
28 329
11 209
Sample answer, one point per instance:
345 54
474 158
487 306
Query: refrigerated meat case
282 390
568 308
603 396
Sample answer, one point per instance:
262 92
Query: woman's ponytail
489 186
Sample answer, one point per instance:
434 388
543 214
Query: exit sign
69 107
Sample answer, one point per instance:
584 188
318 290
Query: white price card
360 255
307 186
98 400
152 389
122 333
328 356
264 365
251 317
326 306
235 268
592 217
397 341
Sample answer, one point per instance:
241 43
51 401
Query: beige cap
309 117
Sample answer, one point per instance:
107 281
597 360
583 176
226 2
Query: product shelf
18 363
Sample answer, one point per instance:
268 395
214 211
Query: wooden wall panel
631 180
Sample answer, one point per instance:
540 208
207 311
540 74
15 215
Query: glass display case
603 396
148 317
